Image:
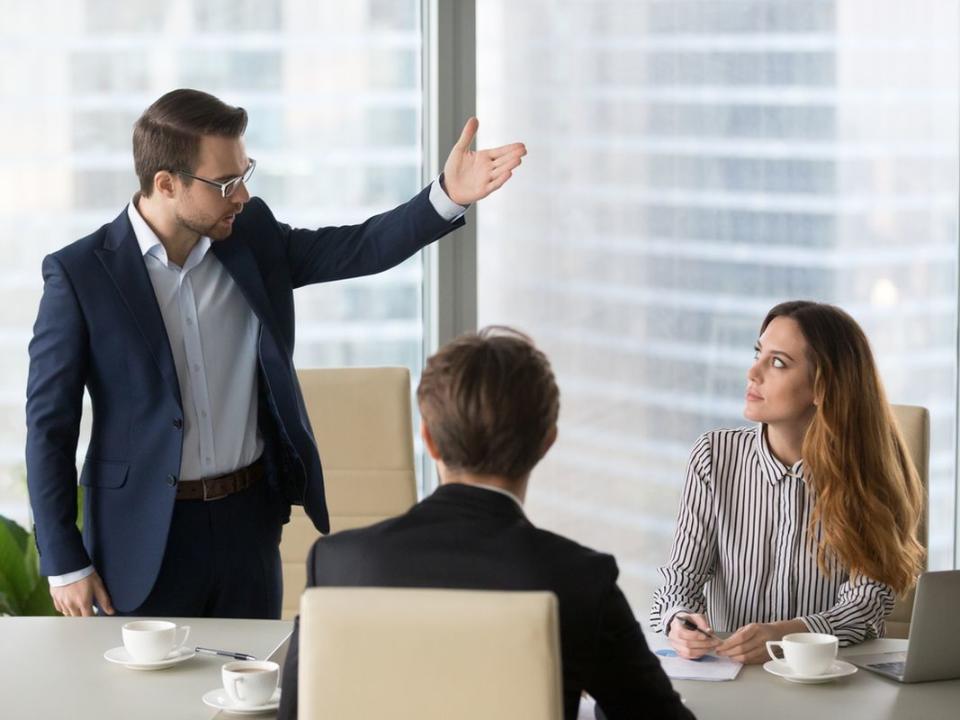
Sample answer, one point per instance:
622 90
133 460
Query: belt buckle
208 498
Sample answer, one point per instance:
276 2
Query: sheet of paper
710 667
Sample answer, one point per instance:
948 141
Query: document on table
710 667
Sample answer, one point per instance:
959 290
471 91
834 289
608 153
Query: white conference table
54 668
861 696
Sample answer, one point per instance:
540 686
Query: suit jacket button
171 480
177 423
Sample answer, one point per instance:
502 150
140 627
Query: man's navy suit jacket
99 327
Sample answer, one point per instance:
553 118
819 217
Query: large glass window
692 163
334 96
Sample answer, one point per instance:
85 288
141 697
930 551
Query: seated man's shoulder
569 556
340 540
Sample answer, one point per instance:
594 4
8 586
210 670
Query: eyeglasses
230 186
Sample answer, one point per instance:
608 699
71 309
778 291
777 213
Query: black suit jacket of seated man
468 537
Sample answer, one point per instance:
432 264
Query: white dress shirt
213 335
744 551
502 491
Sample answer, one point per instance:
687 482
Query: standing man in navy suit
178 319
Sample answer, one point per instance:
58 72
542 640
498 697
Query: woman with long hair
807 522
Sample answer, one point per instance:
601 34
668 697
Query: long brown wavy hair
867 494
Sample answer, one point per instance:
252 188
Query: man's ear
428 442
548 441
165 184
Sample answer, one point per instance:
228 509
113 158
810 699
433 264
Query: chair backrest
363 426
914 423
404 653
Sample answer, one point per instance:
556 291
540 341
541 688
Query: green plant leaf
14 581
39 601
5 607
31 563
8 602
17 532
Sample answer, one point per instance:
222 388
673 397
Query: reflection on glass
691 164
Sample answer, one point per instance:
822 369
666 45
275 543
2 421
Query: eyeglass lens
231 186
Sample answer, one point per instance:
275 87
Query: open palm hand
470 175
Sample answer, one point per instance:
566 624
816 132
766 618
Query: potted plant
23 591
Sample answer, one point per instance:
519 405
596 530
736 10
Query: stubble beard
209 231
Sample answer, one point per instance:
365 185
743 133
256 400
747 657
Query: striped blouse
743 551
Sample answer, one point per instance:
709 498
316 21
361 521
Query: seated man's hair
490 401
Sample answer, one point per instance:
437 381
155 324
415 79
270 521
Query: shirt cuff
817 624
445 207
70 577
669 615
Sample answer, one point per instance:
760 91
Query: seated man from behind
489 404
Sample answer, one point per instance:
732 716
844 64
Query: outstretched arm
387 239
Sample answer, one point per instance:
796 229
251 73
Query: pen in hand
224 653
690 625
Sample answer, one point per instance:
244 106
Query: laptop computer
279 653
933 648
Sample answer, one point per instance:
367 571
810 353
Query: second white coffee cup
153 640
249 683
806 653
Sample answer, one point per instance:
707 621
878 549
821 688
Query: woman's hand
690 644
748 645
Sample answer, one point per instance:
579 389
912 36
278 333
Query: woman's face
780 381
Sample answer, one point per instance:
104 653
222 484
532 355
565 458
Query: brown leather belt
214 488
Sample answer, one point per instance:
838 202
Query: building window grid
672 208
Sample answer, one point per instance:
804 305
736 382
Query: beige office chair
362 423
404 653
914 422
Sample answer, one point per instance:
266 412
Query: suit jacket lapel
123 261
239 261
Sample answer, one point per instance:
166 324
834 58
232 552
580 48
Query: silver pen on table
224 653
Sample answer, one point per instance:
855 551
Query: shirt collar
150 244
509 494
774 470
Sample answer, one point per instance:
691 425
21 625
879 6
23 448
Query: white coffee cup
249 683
152 640
807 654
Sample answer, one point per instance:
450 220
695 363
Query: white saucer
218 699
837 669
120 656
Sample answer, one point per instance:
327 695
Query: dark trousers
222 559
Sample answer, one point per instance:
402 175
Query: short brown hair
167 135
490 401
